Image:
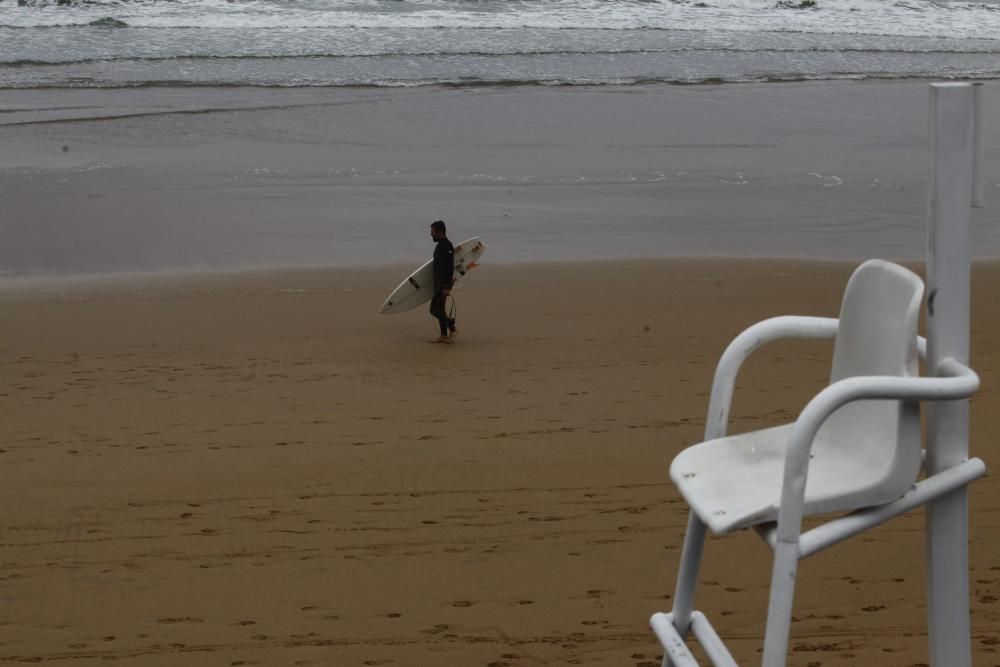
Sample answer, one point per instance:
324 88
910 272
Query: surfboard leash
452 311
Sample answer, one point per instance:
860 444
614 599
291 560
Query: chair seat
735 482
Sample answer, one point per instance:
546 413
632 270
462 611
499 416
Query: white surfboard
417 287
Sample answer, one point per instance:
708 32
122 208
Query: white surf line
836 180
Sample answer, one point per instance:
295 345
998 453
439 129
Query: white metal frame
955 179
955 182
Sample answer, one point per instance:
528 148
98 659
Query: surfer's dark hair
439 225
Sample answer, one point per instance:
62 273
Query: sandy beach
205 463
258 469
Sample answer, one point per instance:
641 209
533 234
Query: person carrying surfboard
444 269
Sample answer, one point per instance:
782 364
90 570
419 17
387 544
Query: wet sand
158 179
257 469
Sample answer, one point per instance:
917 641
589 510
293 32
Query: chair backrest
877 335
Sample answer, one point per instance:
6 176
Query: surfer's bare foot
440 339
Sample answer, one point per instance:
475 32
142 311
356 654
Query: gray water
281 43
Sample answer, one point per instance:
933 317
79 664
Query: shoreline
139 283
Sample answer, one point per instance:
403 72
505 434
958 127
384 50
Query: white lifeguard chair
855 448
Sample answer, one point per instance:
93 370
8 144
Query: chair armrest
775 328
952 381
746 343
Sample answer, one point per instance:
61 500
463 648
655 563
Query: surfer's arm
449 271
444 268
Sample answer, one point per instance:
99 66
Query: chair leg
687 575
779 609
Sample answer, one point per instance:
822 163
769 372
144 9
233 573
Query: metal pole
950 193
687 575
977 164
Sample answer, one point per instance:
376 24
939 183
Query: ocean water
387 43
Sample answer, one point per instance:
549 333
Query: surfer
444 268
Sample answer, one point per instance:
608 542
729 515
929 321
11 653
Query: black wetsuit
444 271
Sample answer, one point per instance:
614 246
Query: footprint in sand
462 603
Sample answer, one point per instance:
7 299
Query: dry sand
258 469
